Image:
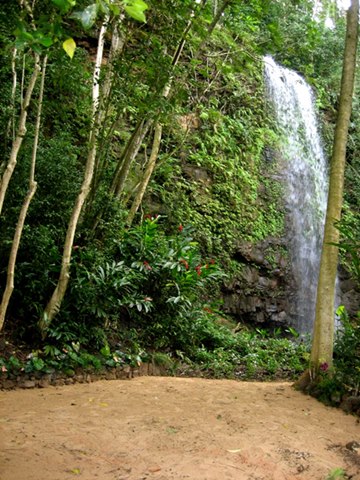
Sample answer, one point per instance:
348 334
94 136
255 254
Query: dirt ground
154 428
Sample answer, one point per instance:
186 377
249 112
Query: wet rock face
262 292
265 292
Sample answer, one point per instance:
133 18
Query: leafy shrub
349 245
347 353
252 355
67 359
149 281
344 378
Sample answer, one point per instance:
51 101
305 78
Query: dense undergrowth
150 300
247 355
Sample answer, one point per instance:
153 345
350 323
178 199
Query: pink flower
324 366
147 265
3 369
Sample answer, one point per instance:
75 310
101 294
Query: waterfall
305 176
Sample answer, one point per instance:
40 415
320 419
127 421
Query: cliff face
262 293
265 292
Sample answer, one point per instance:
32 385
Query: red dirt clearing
154 428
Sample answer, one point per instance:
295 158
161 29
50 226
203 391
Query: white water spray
306 182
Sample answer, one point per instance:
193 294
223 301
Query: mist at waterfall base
305 177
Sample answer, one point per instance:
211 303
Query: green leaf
61 3
105 351
104 7
135 9
23 37
69 46
64 5
38 363
46 41
115 9
87 17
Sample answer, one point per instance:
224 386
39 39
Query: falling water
306 179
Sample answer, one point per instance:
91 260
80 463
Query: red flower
324 367
212 261
147 265
185 263
198 269
181 228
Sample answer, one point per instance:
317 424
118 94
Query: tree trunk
165 94
147 174
117 45
133 147
97 69
20 134
129 155
10 130
213 24
116 48
323 337
57 297
24 209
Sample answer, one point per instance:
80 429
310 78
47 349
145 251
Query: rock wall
59 378
262 291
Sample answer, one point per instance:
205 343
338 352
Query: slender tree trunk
165 94
57 297
131 140
116 48
22 83
147 174
97 69
213 24
20 134
132 148
130 153
24 209
323 337
10 130
134 145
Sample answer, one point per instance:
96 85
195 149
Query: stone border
57 379
349 405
